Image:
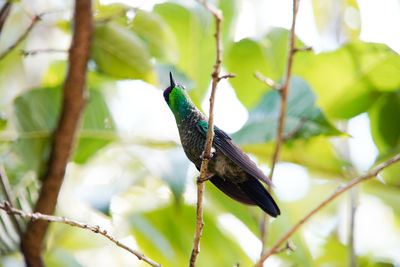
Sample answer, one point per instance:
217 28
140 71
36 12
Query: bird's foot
202 180
202 156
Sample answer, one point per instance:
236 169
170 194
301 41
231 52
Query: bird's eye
180 86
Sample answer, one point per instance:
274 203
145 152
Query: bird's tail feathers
232 190
260 196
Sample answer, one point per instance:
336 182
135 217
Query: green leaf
64 26
36 115
247 56
335 253
98 128
156 33
3 121
56 73
303 118
384 117
121 54
169 240
114 11
37 112
193 29
349 80
371 260
385 130
391 174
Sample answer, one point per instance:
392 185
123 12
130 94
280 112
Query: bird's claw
202 156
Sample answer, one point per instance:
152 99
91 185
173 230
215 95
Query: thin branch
353 208
39 51
94 228
73 102
293 133
303 49
264 230
4 12
5 186
227 76
372 173
210 133
284 91
34 20
267 81
289 246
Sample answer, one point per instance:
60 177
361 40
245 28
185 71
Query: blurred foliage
120 53
366 71
338 19
143 187
171 242
37 112
303 119
267 55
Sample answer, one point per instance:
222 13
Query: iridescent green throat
180 104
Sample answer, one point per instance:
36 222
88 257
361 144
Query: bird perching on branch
230 169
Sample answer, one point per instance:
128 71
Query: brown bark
73 102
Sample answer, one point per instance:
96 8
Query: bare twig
4 12
34 20
264 230
267 81
289 246
290 135
284 91
372 173
210 132
94 228
353 208
73 102
38 51
303 49
227 76
5 186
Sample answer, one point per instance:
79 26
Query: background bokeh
128 172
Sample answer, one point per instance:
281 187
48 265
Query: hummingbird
230 169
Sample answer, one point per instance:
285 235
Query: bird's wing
224 143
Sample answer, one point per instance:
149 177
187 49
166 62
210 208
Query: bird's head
175 94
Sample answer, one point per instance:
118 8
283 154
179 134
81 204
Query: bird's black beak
171 80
